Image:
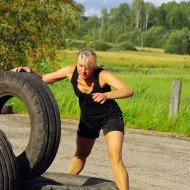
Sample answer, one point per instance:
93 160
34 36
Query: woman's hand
23 69
99 97
26 69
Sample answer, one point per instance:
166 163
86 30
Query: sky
93 7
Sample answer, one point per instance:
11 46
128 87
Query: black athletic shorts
92 130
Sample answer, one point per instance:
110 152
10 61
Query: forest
139 24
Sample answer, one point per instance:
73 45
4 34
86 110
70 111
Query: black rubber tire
9 176
54 120
44 120
57 181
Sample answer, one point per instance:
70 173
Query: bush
100 46
179 42
126 46
88 38
135 37
76 44
155 37
123 37
81 32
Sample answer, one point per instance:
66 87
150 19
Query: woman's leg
114 141
84 147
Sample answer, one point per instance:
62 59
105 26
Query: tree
120 17
118 22
172 14
81 11
93 24
148 7
123 16
138 6
178 16
179 42
155 37
32 30
104 22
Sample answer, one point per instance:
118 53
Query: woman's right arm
65 72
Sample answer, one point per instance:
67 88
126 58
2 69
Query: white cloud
92 12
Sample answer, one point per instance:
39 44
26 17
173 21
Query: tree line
141 24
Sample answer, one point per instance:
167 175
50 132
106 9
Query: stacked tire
58 181
8 167
25 170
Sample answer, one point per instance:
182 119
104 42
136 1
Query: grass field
150 74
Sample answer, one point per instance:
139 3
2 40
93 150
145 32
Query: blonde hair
85 54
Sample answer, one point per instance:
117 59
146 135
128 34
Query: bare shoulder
70 70
105 75
109 78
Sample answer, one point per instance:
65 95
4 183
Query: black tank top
91 111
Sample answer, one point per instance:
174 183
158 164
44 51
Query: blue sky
93 7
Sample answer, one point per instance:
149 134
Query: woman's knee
115 159
82 155
84 147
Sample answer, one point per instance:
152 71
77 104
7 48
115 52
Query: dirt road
155 161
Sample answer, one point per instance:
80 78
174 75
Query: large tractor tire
44 121
57 181
9 176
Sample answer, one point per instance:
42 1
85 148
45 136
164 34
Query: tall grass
141 59
66 99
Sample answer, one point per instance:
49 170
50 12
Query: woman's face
85 72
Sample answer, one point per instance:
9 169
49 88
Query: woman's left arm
121 90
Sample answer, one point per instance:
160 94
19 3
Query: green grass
133 60
150 74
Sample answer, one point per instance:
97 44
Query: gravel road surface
155 161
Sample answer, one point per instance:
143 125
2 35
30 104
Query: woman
99 110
